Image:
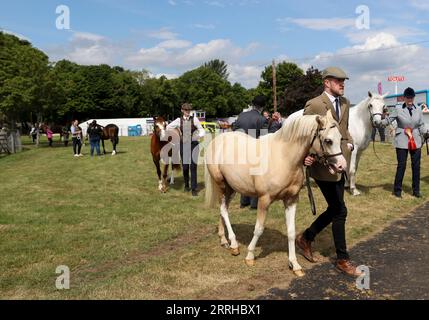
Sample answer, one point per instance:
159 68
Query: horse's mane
297 130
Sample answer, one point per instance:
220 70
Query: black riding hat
409 93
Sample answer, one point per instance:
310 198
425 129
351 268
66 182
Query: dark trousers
245 201
95 143
50 142
380 131
336 213
77 145
189 163
401 156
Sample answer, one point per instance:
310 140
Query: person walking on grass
49 135
94 133
331 186
76 132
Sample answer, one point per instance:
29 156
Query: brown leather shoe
305 247
346 267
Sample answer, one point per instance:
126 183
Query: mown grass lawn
104 218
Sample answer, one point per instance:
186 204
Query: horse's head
377 108
159 125
326 144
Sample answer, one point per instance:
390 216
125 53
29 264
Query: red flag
380 89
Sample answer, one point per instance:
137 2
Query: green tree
23 70
205 89
218 66
287 73
298 93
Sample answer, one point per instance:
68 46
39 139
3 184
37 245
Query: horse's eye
328 142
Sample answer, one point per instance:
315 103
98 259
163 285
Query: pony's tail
212 191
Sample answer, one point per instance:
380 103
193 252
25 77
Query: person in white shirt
191 132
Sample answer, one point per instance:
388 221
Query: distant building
200 114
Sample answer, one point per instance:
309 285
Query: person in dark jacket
94 133
255 125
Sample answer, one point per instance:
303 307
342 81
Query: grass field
104 218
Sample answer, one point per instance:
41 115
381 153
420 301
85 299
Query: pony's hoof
113 153
235 251
355 192
299 273
250 262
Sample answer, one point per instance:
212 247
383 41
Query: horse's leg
263 204
235 251
352 173
113 146
164 178
156 161
290 210
229 192
172 172
104 151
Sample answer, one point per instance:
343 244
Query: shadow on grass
275 241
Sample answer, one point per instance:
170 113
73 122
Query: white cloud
319 24
420 4
162 34
162 56
174 44
374 60
247 75
88 48
167 75
215 4
203 26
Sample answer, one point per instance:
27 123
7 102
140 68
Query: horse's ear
369 94
154 118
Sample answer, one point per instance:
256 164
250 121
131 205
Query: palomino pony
157 146
363 117
276 175
110 132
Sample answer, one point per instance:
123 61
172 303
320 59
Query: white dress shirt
201 131
332 99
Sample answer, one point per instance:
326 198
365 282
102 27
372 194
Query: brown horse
159 149
63 131
110 132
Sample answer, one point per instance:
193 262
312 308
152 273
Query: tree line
34 89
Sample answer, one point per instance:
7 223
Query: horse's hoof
355 192
235 251
250 262
299 273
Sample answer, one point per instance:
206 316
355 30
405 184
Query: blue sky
172 36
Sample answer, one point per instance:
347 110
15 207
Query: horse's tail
212 190
116 139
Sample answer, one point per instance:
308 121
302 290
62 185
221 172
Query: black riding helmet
409 93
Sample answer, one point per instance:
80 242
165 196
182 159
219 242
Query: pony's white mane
298 129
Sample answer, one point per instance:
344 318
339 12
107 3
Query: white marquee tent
123 124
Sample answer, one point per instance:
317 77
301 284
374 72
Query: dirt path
397 258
